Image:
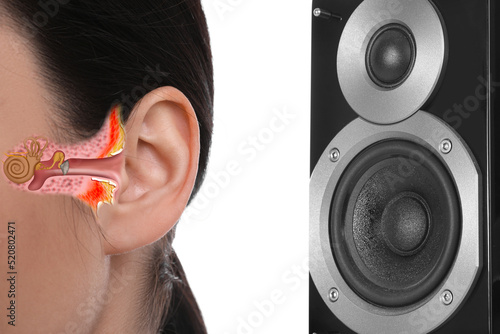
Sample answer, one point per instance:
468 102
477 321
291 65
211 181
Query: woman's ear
161 163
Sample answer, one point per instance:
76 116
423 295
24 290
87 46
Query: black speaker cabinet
404 226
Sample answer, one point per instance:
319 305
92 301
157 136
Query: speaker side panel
330 112
321 319
495 160
459 102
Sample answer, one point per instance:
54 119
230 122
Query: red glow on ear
115 134
98 192
103 191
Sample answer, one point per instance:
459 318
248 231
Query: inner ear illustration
90 170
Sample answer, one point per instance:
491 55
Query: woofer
395 223
369 179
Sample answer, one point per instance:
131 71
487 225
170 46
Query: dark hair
93 54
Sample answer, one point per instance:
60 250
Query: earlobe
158 175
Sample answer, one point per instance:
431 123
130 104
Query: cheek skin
59 267
59 261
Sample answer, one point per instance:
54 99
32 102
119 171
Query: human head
65 65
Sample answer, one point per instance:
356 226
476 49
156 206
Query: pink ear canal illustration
89 170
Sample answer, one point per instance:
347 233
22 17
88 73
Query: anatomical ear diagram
89 170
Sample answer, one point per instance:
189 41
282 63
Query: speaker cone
390 55
395 223
388 66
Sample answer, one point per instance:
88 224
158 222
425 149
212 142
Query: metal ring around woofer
390 105
424 316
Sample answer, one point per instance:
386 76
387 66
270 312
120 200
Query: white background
244 239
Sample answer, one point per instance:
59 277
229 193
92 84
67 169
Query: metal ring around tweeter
358 314
390 105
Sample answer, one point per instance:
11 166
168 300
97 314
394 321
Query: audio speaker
404 227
